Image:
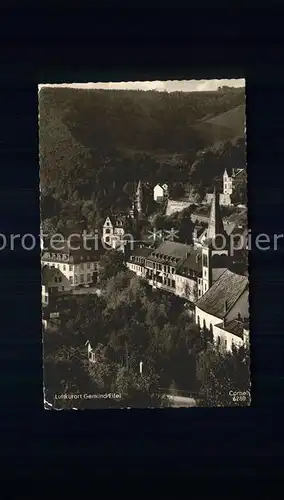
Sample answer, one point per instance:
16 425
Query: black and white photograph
144 244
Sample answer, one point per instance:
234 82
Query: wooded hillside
93 142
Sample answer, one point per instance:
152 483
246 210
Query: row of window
87 265
135 258
61 257
80 279
162 267
136 268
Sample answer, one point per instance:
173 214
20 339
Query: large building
78 264
224 310
185 270
136 261
173 267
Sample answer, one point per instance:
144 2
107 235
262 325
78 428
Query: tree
239 195
128 189
224 377
177 190
110 264
138 390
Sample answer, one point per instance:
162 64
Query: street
87 291
181 402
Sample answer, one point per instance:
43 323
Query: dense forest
95 142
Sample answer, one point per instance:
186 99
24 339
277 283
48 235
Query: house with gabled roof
224 307
161 192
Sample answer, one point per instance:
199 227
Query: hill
222 127
93 142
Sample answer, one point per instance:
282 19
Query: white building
114 232
161 192
136 261
224 310
91 353
79 266
232 178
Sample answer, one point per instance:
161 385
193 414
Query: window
70 268
205 260
198 320
64 267
62 288
76 278
81 265
81 278
59 279
71 280
89 278
107 231
55 279
205 273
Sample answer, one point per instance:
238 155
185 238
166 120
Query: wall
136 268
158 193
208 318
228 337
186 288
83 273
225 199
176 206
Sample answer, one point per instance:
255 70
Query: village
209 275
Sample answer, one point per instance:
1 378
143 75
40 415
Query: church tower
215 249
137 210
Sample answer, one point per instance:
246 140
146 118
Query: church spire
215 224
139 196
137 201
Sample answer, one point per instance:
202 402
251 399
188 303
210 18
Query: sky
162 86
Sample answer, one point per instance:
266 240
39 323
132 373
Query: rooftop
141 252
49 273
234 326
192 262
77 253
225 291
172 249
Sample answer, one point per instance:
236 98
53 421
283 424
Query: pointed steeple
139 196
215 224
